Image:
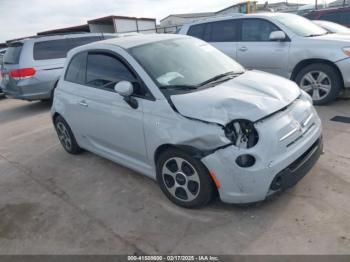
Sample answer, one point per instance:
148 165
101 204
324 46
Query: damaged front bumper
278 165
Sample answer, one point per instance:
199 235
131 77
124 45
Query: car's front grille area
302 135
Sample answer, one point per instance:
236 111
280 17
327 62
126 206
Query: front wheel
321 81
66 137
184 179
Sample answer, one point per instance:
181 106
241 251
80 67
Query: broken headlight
242 133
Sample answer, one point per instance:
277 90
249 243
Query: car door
256 51
223 35
108 125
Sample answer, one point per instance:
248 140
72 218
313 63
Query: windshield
300 25
333 27
184 62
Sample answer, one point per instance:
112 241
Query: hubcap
64 136
181 179
317 84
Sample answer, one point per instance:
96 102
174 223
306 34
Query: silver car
284 44
178 110
32 66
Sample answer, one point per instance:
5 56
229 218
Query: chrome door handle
83 103
243 49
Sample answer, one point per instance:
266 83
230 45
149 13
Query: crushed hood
252 96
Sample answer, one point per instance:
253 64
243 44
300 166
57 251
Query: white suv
176 109
284 44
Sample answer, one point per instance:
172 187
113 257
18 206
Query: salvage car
284 44
178 110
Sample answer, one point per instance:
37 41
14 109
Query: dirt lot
55 203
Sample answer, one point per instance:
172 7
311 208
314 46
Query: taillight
23 73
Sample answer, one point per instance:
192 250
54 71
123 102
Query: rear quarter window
55 49
51 49
13 54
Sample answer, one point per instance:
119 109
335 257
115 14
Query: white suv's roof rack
217 17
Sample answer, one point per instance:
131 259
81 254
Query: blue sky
20 18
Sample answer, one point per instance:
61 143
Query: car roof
237 16
41 38
132 40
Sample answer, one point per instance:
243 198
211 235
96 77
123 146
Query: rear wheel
184 179
66 137
321 81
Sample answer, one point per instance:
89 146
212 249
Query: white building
180 19
111 24
280 7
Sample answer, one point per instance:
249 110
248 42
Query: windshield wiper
218 77
180 87
313 35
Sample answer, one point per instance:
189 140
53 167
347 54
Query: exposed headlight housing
242 133
346 50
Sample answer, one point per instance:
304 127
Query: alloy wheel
317 84
181 179
63 136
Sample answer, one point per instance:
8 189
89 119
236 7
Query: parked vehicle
337 15
332 27
178 110
32 66
2 52
305 9
284 44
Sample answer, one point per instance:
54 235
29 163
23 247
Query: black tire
334 81
205 188
60 126
53 93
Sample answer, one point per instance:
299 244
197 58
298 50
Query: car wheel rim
64 136
181 179
317 84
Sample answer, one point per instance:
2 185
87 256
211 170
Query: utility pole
316 5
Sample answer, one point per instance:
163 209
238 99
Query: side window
105 70
76 69
223 31
257 30
78 41
53 49
197 31
334 17
339 17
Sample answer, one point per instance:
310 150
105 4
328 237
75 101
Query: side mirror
278 36
124 88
